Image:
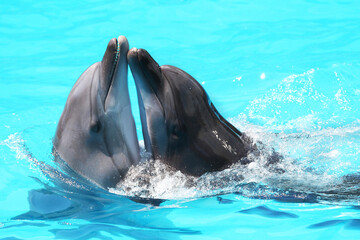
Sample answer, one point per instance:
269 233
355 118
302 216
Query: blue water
285 73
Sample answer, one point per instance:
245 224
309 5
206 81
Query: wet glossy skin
180 124
96 133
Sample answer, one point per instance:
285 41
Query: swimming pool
286 74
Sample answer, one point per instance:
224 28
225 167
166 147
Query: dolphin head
96 132
180 124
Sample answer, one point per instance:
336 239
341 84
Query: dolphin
180 124
96 133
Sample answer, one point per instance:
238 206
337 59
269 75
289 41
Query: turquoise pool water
287 74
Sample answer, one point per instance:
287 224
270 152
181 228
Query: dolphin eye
96 127
176 131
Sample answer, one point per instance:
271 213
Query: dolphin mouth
116 60
117 106
145 80
147 76
112 73
115 68
113 64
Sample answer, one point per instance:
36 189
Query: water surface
286 74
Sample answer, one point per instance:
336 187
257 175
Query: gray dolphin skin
96 133
180 124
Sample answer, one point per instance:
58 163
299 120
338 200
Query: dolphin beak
108 66
117 93
140 59
148 79
146 72
113 74
117 106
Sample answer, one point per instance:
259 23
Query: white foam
317 151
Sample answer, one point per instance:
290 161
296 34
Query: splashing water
319 157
